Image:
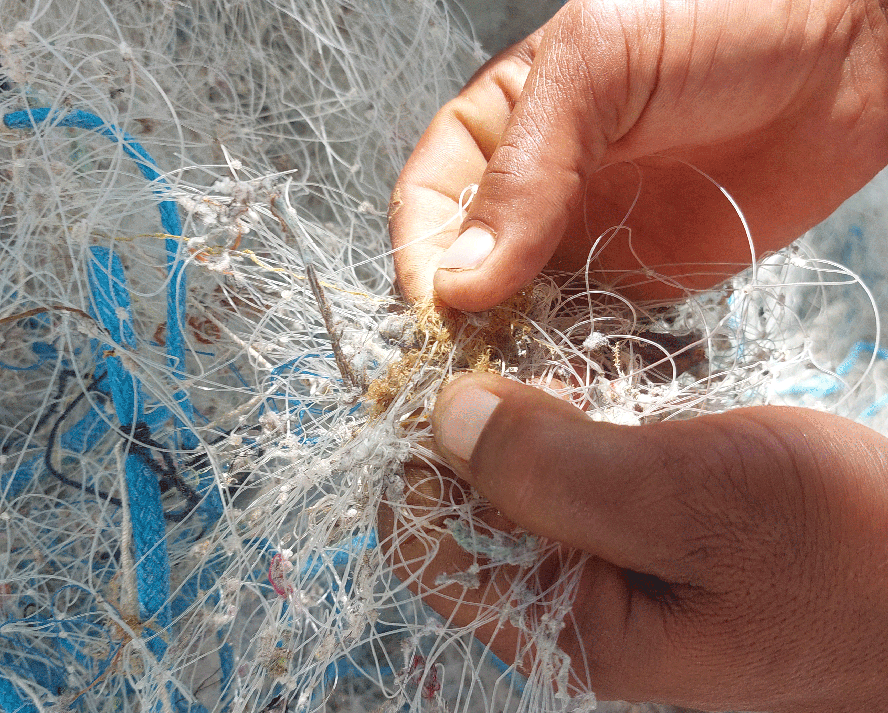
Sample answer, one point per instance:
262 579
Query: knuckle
732 503
755 518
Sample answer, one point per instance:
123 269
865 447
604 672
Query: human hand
784 104
738 560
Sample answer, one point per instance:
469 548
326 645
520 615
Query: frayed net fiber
210 390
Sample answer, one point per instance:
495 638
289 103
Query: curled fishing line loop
217 478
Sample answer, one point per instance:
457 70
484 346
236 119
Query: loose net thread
191 483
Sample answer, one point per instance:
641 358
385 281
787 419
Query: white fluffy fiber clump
191 478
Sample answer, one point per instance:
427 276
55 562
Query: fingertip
461 413
514 230
468 251
482 287
457 277
461 275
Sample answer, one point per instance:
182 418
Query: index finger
424 211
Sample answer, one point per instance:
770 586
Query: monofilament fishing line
214 405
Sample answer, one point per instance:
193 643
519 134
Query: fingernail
468 251
464 417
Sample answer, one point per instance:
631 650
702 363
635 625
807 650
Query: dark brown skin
783 103
740 561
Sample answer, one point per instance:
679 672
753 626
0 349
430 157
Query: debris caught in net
213 414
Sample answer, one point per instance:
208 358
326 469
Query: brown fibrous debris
446 340
438 341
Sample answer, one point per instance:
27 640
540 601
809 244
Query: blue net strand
169 218
821 386
875 408
111 303
78 439
11 701
210 507
857 351
43 351
339 556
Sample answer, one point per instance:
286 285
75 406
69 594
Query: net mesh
216 463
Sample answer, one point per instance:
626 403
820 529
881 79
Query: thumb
678 500
557 134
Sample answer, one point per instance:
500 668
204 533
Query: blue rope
112 308
169 218
11 701
210 508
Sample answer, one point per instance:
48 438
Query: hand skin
782 102
738 561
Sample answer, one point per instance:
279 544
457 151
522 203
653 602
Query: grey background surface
500 24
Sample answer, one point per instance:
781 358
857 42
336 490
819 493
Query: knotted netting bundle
210 388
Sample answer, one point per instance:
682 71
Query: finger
424 212
588 85
678 500
425 555
738 517
429 561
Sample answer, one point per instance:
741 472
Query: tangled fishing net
210 389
